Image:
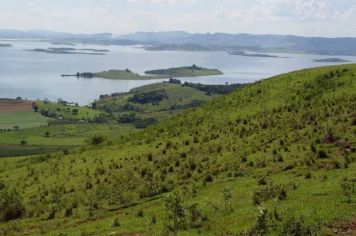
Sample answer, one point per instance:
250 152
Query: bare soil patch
13 106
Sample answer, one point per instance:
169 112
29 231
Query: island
64 50
63 43
179 47
185 71
330 60
240 53
5 45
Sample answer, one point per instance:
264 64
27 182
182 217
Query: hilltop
272 157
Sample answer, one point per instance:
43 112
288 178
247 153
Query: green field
276 157
21 119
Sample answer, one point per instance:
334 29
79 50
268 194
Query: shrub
116 223
347 189
11 207
267 192
175 217
260 227
322 154
139 213
295 227
97 139
208 178
227 196
195 217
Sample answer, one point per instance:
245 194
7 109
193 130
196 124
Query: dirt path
347 227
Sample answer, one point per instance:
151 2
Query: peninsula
63 50
330 60
240 53
5 45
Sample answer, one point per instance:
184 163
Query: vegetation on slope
276 157
148 104
71 125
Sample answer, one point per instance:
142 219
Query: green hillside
155 101
276 157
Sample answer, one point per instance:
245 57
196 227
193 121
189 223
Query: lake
35 75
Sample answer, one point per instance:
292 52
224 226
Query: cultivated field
17 114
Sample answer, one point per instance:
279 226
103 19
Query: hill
183 41
275 157
239 42
149 104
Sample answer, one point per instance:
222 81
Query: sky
329 18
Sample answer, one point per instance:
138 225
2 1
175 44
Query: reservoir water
35 75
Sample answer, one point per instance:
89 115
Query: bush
347 189
97 139
116 223
11 207
260 227
322 154
175 217
267 192
295 227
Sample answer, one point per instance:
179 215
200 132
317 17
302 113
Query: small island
5 45
239 53
64 50
185 71
332 60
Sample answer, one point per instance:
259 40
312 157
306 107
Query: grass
296 131
64 111
124 75
58 137
21 119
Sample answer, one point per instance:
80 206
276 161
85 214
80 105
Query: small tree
47 134
260 227
175 217
11 207
227 196
347 189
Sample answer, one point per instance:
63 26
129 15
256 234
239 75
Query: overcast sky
299 17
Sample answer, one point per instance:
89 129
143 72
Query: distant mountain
48 35
263 43
184 41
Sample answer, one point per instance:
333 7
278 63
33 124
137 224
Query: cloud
302 17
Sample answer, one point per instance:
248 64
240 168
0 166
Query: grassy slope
179 98
265 129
